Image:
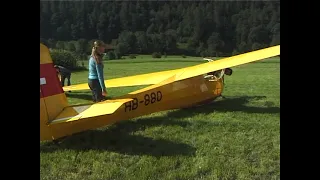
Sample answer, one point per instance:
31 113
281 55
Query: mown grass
233 138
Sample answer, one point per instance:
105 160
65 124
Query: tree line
212 28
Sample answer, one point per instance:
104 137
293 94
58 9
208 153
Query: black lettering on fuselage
159 96
131 105
134 103
153 97
146 99
149 98
127 106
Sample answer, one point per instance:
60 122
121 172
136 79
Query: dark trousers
64 77
96 90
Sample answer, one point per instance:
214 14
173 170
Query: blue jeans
96 90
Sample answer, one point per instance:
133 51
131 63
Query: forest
204 28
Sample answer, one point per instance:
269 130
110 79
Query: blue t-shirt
96 72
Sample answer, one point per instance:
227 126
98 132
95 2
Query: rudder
52 97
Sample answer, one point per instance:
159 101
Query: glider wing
184 73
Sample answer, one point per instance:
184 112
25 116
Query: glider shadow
229 104
120 138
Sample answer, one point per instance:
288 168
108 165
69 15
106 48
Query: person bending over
63 74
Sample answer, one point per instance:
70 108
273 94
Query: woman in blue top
96 77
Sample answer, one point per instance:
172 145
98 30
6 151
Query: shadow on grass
229 104
119 138
82 95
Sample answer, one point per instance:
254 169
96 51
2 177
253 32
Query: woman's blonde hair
97 56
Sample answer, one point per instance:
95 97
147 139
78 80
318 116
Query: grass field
233 138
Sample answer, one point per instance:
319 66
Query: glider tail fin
52 97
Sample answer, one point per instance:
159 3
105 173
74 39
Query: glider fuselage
167 95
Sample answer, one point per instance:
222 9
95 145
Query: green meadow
235 137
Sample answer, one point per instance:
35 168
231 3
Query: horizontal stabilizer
73 113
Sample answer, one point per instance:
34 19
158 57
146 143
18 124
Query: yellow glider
172 89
